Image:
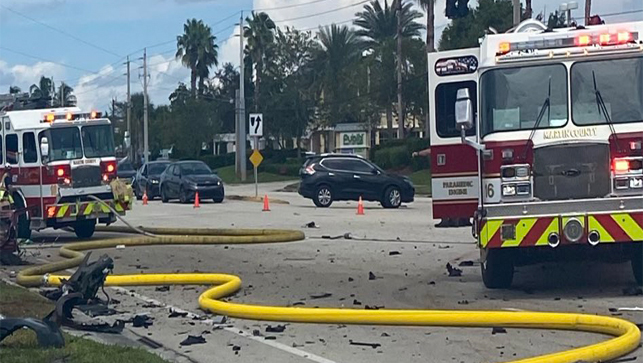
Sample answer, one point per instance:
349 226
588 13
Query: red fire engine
57 161
537 135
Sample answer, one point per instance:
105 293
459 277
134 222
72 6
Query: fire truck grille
86 176
571 171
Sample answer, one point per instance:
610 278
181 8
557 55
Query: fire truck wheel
85 228
24 228
637 263
497 268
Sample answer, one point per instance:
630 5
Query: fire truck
57 163
537 136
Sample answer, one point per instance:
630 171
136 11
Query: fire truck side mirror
463 109
44 149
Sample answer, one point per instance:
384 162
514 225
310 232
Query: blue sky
122 27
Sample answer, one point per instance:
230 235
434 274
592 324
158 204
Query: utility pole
145 101
400 107
53 92
241 125
129 112
62 92
516 8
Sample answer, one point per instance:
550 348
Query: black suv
329 177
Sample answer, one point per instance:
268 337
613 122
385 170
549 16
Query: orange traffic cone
360 207
196 200
145 197
266 203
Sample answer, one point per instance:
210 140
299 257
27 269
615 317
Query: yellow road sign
256 158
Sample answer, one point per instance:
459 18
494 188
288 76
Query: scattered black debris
431 282
163 288
270 337
497 330
275 329
141 321
96 309
466 263
444 247
150 343
633 291
613 310
256 333
321 296
453 271
115 328
371 276
463 302
298 303
151 305
621 360
394 253
556 299
177 314
362 344
311 225
193 339
48 333
236 349
385 335
350 279
374 307
356 302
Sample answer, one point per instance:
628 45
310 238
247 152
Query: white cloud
24 76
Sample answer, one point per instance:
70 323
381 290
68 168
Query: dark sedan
147 179
183 179
125 170
330 177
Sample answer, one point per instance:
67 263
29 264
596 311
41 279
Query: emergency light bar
51 117
581 40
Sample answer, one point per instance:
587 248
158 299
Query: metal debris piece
498 330
394 253
466 263
163 288
177 314
372 345
321 296
275 329
453 271
371 276
141 321
47 332
193 339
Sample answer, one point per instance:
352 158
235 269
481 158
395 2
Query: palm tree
65 96
588 11
197 51
260 35
378 29
429 7
42 92
340 48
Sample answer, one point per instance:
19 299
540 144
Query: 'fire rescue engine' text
457 188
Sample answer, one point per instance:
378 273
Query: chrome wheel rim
395 198
324 196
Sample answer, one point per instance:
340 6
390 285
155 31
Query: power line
324 12
61 31
622 13
287 6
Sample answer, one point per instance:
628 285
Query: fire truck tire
85 228
637 263
24 225
497 268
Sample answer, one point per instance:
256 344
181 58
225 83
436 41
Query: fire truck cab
537 135
56 162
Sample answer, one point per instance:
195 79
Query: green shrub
382 158
218 161
281 169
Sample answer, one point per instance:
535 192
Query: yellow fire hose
626 334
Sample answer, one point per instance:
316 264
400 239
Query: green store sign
354 139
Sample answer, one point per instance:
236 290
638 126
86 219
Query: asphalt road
401 247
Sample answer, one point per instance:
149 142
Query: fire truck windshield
620 82
512 98
98 141
64 143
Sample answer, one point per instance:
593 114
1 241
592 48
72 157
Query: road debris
275 329
453 271
394 253
47 332
311 225
141 321
177 314
362 344
193 339
466 263
498 330
356 302
350 279
163 288
321 296
371 276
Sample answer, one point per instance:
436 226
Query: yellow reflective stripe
89 209
118 207
594 225
488 230
523 226
104 208
61 211
629 225
553 227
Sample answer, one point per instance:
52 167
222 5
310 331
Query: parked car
125 170
330 177
181 180
147 179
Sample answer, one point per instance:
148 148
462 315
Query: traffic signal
456 9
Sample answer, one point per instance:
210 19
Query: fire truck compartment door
455 183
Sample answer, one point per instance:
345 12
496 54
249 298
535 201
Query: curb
246 198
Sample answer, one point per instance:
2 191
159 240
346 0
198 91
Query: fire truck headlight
636 182
508 190
523 189
522 171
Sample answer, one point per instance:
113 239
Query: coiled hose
626 334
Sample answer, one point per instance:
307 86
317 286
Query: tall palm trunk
193 81
588 10
257 84
528 10
389 121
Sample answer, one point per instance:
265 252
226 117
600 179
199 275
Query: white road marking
226 327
